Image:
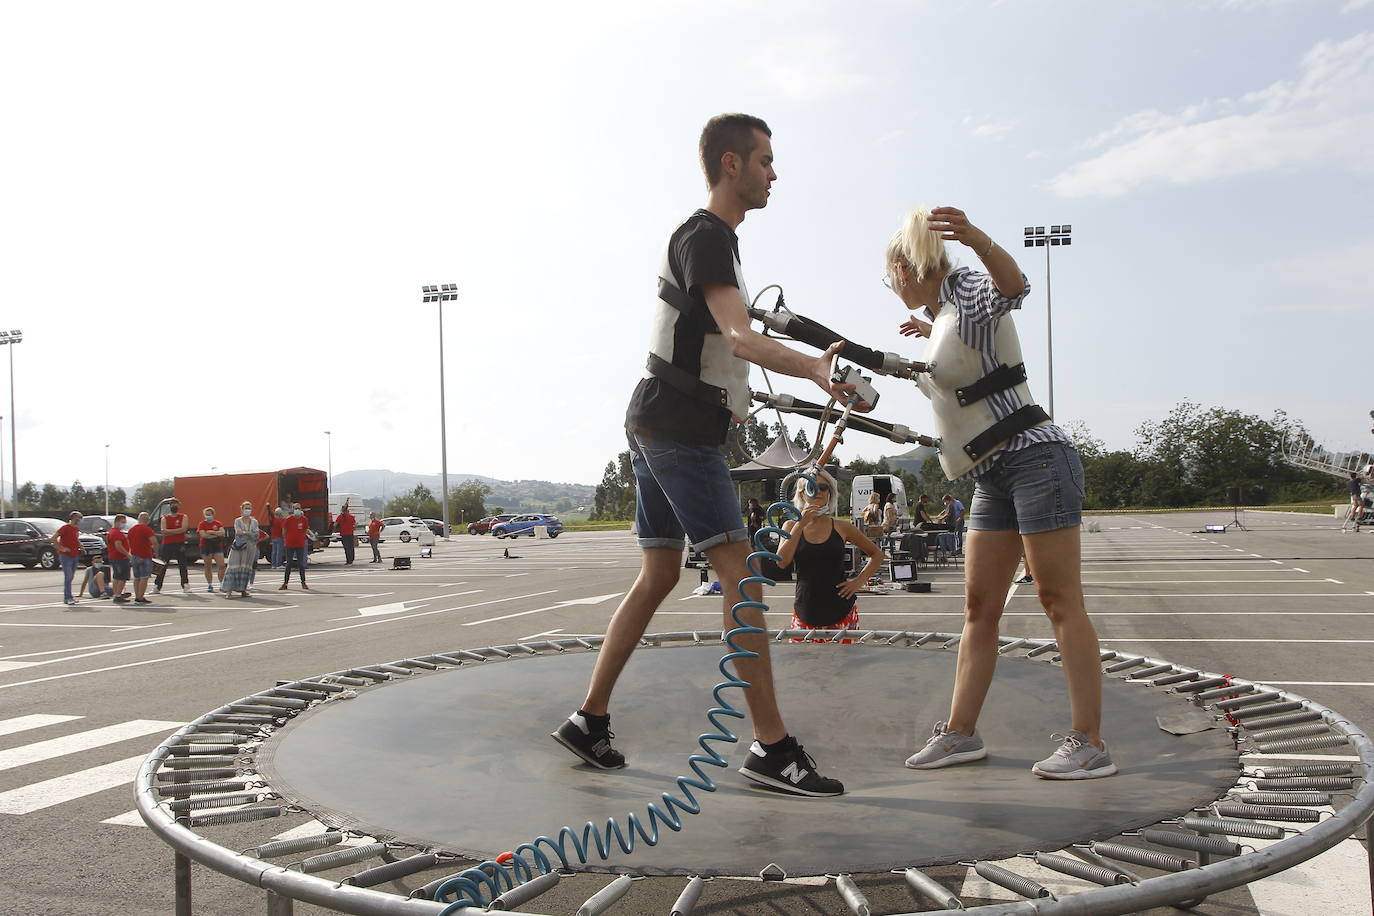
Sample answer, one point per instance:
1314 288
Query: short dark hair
728 133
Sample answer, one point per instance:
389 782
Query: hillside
529 495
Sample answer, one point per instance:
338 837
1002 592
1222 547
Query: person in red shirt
174 525
142 538
211 532
347 523
295 534
374 537
117 550
67 540
278 517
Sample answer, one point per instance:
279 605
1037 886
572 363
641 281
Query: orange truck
266 490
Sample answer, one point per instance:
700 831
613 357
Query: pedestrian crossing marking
24 723
82 741
49 792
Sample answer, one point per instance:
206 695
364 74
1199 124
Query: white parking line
82 741
39 795
24 723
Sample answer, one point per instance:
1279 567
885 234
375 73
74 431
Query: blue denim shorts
683 490
119 569
142 567
1031 490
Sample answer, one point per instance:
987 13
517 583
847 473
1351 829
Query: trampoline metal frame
283 884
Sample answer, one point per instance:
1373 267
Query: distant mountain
524 495
381 484
912 460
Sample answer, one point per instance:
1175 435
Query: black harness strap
999 379
1004 429
675 297
687 383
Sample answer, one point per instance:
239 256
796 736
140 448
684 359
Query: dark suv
28 541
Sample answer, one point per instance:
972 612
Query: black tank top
819 569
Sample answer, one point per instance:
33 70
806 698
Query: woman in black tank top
825 599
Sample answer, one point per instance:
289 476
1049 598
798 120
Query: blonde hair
799 492
245 505
917 246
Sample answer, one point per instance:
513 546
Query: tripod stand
1233 495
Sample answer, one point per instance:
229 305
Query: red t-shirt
69 540
346 523
374 528
117 544
210 529
141 541
174 521
294 529
277 526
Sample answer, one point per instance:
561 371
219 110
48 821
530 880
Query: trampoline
432 764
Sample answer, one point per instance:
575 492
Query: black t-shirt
1354 487
702 251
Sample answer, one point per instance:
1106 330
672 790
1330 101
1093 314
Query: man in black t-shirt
700 351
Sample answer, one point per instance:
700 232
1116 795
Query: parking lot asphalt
87 691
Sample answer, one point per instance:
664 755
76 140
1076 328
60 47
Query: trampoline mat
461 760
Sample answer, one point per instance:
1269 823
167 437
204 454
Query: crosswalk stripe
39 795
24 723
82 741
127 819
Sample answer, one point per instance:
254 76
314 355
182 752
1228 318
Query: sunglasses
821 488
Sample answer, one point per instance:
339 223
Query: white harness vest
724 377
969 430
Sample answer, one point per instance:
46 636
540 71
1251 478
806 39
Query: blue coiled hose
479 885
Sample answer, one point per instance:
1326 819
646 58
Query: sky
216 220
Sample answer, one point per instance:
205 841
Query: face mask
123 525
297 512
247 512
209 516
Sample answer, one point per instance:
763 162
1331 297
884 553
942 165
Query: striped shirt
980 306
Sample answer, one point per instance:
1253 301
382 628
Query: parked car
406 530
100 525
27 541
525 524
483 525
436 525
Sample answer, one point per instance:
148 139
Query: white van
355 504
865 485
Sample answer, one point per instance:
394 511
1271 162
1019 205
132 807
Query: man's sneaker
157 589
187 589
946 748
123 599
1076 758
69 601
576 735
1025 580
142 601
209 588
788 770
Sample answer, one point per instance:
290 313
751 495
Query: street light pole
11 338
1037 237
2 470
329 468
446 292
107 478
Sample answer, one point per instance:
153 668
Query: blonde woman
243 553
1028 492
211 532
825 599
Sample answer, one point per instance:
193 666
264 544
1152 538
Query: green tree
51 499
419 501
466 503
150 494
28 497
615 495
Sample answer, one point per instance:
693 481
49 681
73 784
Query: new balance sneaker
591 744
1076 758
946 748
788 769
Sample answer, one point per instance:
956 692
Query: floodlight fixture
445 292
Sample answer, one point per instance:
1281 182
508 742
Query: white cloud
1353 5
807 68
990 128
1325 116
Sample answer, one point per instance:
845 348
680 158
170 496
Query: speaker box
400 562
917 586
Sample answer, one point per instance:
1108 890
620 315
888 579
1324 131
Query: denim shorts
142 567
119 569
683 490
1031 490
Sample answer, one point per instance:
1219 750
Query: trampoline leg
278 905
182 882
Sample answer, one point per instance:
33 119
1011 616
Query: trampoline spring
1124 664
467 654
1301 799
342 857
1229 690
182 805
419 663
852 896
922 886
1300 744
268 712
1107 655
195 738
187 789
201 749
1268 813
369 674
1151 671
951 643
1268 709
298 694
344 681
1092 858
1308 769
1291 731
1291 718
1232 827
502 653
601 901
300 844
1171 679
329 686
1013 882
1150 858
237 817
1041 650
687 900
1013 645
392 870
282 702
896 637
1250 700
924 638
530 649
1192 842
219 729
242 718
182 778
1094 873
193 763
1302 783
448 659
527 892
1198 686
